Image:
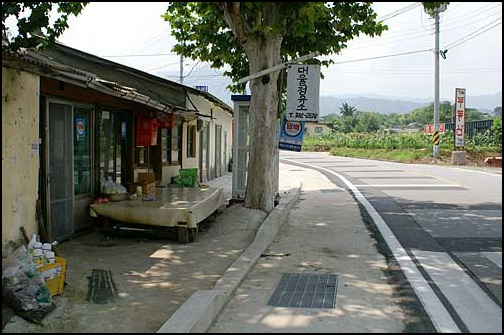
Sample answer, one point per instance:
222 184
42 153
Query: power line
460 23
192 69
473 13
144 55
399 11
148 41
378 41
417 73
389 70
160 67
469 37
384 56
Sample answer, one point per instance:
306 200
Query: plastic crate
188 178
55 285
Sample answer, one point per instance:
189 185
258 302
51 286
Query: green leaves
37 21
202 33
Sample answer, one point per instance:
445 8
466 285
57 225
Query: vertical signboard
80 128
291 135
303 84
146 131
460 96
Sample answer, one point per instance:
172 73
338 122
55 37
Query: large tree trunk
263 54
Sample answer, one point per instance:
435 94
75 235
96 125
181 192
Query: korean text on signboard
460 95
291 135
303 84
429 128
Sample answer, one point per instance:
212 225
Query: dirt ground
153 277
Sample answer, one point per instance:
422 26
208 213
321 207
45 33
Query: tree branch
232 17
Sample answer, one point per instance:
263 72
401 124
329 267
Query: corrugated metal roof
87 70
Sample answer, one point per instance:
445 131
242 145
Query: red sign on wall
166 120
146 131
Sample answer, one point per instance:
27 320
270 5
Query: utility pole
436 85
434 13
181 69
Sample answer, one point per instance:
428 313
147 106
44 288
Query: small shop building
71 120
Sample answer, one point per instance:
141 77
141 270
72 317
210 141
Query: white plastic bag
23 288
110 187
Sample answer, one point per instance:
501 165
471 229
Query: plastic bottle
102 182
50 257
37 245
32 242
38 257
46 247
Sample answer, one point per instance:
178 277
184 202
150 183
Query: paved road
443 224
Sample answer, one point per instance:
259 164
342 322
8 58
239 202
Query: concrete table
183 208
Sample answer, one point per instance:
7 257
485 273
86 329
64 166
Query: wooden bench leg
187 235
107 227
192 234
183 235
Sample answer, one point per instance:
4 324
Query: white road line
479 313
487 173
438 314
407 185
495 257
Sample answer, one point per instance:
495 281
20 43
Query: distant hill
485 101
330 105
383 105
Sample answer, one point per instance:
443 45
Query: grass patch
396 155
475 158
404 148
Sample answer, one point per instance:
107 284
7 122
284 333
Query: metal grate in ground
102 288
307 290
331 190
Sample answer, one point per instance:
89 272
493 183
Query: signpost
291 135
303 85
459 154
459 117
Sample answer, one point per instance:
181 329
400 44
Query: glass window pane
175 144
82 150
164 145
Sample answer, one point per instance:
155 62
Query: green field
406 148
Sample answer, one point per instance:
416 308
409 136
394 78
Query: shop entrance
68 173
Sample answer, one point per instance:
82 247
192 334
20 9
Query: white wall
220 117
20 155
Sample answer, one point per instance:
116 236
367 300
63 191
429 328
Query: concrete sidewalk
325 233
154 277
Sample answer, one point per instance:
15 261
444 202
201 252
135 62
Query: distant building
317 128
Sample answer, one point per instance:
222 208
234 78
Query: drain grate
331 190
101 287
308 290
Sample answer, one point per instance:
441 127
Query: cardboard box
146 176
55 285
148 187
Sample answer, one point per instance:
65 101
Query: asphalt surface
449 222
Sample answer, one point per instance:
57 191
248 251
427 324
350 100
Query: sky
471 31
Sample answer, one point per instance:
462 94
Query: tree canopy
203 33
33 19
